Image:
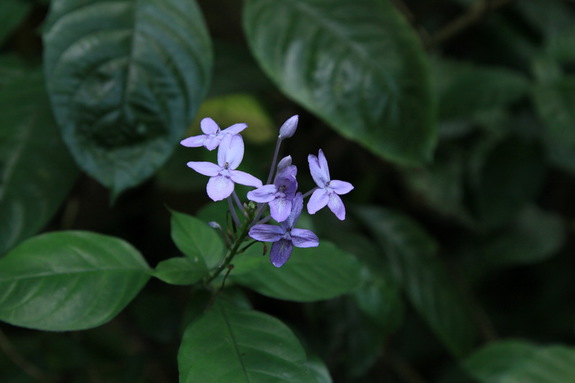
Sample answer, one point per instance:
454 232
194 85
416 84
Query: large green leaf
69 280
230 344
357 65
125 79
310 274
36 170
411 253
519 361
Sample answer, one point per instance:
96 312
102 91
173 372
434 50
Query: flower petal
194 141
323 164
205 168
317 173
263 194
318 200
244 178
304 238
219 187
281 252
297 206
231 151
280 209
235 128
212 142
340 187
266 233
336 205
209 126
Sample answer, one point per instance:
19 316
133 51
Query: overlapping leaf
125 79
69 280
36 170
357 65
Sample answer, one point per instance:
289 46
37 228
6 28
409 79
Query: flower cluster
282 196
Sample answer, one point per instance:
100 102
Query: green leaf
180 271
231 344
12 13
357 65
467 90
197 240
310 274
519 361
554 102
506 176
412 255
36 170
69 280
125 79
535 236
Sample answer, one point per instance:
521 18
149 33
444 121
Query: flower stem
274 161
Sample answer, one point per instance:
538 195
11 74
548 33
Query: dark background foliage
454 120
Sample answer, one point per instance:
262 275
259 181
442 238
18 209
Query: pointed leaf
357 65
425 280
231 344
311 274
125 79
180 271
197 240
36 170
69 280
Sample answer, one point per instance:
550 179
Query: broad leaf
310 274
36 170
69 280
125 79
357 65
197 240
518 361
230 344
425 280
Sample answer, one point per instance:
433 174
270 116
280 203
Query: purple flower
213 134
328 190
280 194
285 236
289 127
224 175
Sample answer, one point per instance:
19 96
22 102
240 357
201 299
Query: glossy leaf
230 344
180 271
357 65
412 255
310 274
197 240
125 79
519 361
69 280
36 170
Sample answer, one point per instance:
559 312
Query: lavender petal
263 194
235 128
340 187
266 233
281 252
280 209
209 126
336 205
219 188
244 178
304 238
204 168
317 201
194 141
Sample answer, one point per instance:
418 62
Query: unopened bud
284 163
215 225
289 127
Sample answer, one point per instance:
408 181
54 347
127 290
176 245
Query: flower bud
284 163
289 127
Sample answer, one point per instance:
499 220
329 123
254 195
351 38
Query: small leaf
519 361
69 280
231 344
197 240
310 274
180 271
124 90
36 170
411 254
357 65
